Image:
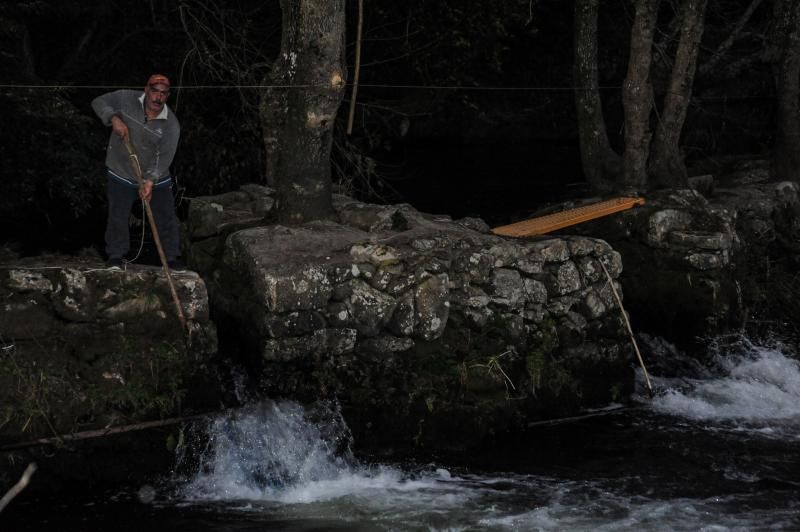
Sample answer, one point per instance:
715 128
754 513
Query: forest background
486 108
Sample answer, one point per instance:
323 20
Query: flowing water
717 449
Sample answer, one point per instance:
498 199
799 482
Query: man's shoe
114 264
176 265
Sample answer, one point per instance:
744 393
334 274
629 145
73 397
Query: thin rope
308 86
141 242
377 86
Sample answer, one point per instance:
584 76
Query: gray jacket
154 140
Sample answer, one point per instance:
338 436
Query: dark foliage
51 155
465 107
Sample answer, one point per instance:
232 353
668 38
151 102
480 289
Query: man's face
155 96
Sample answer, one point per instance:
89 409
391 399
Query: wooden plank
559 220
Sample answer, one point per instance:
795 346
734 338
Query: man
153 130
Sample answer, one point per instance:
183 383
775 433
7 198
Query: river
716 449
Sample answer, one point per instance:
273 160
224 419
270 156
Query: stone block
477 318
580 246
613 263
571 330
590 269
371 309
551 250
560 306
305 289
376 254
296 323
27 280
529 266
707 261
661 223
390 275
478 265
310 347
712 241
606 293
432 307
403 320
564 278
535 292
591 306
505 254
386 345
506 288
73 299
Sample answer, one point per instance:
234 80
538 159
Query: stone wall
85 347
697 266
424 328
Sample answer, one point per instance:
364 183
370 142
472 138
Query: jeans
121 197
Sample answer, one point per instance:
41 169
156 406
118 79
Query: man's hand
119 127
146 190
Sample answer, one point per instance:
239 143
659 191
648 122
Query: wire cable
378 86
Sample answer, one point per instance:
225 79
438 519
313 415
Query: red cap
157 79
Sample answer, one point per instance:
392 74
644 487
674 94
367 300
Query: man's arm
108 108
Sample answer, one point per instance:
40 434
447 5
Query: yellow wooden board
559 220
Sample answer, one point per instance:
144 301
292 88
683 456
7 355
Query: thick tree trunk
786 153
272 112
298 122
637 97
667 167
601 165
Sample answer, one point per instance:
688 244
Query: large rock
699 266
421 319
470 323
85 347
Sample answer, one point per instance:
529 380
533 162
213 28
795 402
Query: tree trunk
273 106
667 167
601 165
637 97
786 153
298 122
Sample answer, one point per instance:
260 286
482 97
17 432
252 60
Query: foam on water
262 451
282 461
754 388
436 499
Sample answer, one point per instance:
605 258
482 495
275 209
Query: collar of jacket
162 115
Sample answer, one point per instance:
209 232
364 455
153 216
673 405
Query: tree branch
726 45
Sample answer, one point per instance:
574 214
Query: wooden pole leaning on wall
17 488
630 329
137 172
357 68
62 439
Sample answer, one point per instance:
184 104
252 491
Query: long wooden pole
21 484
357 67
137 172
101 433
630 329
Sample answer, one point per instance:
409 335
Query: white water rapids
674 465
754 388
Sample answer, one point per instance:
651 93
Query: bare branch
726 45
